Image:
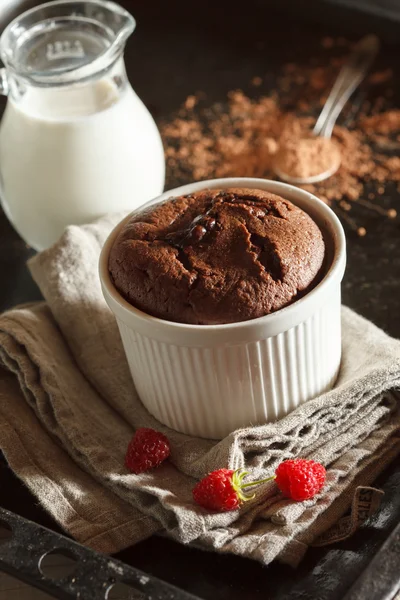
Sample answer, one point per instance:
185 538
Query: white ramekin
208 380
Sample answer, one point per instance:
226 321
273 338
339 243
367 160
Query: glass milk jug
76 142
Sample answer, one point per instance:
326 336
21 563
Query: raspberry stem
246 485
238 486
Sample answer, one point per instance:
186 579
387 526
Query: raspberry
300 479
221 490
147 449
216 491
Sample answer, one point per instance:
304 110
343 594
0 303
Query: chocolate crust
217 256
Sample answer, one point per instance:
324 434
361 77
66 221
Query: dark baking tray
180 48
91 576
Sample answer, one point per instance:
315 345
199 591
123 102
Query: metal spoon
349 78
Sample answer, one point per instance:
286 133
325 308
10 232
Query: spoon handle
350 76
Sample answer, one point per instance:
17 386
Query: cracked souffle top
217 256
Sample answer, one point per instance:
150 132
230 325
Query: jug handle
3 82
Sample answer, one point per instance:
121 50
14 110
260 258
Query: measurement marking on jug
64 49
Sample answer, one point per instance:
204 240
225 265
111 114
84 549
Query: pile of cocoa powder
241 136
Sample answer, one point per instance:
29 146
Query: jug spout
117 19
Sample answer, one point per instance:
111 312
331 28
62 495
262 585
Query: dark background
180 48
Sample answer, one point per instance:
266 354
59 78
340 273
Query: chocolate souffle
217 256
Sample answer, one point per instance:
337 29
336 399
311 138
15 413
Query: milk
70 155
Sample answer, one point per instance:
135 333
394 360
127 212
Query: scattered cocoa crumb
392 167
385 143
360 231
190 102
256 81
380 77
318 79
241 137
391 213
387 122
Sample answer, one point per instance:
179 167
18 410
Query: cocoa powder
242 136
301 155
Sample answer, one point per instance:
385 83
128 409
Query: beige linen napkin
68 409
